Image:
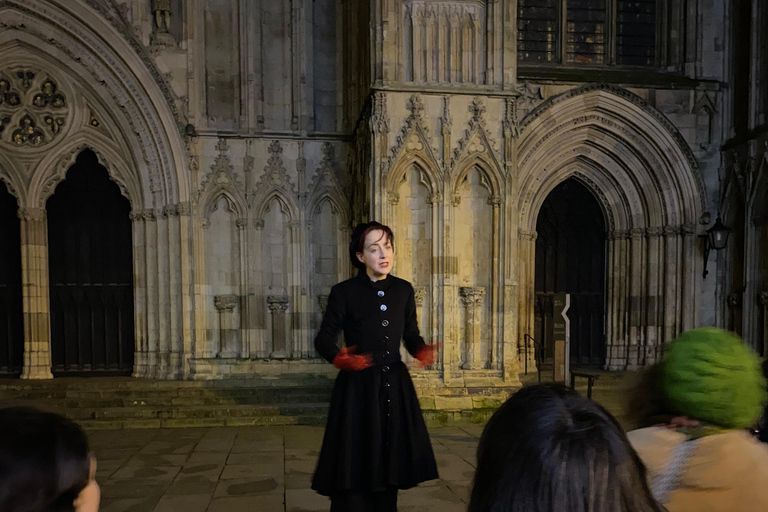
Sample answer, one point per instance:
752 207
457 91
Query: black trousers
382 501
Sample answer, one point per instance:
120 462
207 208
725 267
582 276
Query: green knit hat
712 376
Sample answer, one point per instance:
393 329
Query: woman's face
89 498
377 254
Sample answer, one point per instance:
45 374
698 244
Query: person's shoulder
345 285
401 283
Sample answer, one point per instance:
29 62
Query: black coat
375 436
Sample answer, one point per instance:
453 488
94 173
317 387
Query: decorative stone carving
278 305
43 117
229 332
763 299
472 298
415 105
393 198
322 302
379 123
419 293
225 302
509 124
161 26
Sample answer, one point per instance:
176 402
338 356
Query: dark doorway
570 258
91 273
11 311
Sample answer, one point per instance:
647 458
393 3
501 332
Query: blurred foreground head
549 450
710 375
45 464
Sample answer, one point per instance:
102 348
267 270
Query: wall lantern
716 238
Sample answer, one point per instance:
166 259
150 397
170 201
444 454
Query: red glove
426 355
346 360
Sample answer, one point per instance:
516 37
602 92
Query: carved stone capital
671 230
494 201
393 198
277 303
763 299
435 198
636 233
225 302
322 301
456 200
688 229
259 223
183 209
419 293
31 214
472 295
241 223
654 231
523 234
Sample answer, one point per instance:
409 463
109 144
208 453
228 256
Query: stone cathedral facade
178 179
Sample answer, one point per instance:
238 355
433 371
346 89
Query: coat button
383 307
385 369
386 338
385 323
386 352
386 384
380 294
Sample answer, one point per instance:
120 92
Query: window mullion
563 46
610 29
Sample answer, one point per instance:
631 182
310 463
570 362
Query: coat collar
381 284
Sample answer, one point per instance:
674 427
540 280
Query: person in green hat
704 458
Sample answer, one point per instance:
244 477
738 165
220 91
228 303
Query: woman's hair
44 461
549 450
357 244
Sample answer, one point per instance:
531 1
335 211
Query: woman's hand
347 360
426 354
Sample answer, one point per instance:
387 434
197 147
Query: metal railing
537 348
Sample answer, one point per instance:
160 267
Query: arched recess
225 266
413 208
756 260
276 274
476 206
11 313
91 272
647 181
109 69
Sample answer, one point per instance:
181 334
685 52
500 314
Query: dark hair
357 243
44 461
549 450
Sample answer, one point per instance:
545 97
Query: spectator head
549 450
45 464
710 375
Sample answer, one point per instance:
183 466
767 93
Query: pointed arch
236 203
487 170
612 124
287 203
54 166
109 68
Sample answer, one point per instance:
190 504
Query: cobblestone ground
264 469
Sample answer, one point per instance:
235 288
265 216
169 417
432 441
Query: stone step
187 412
169 396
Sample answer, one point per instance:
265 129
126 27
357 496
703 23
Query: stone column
419 293
35 295
229 328
472 298
278 304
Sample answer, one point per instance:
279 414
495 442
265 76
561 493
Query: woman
704 458
549 450
45 464
375 441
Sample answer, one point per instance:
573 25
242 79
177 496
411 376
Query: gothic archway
90 272
11 316
570 258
